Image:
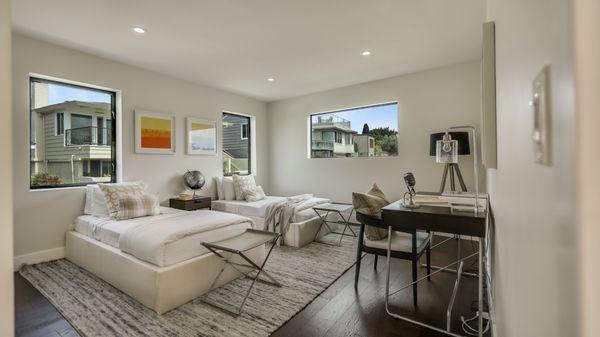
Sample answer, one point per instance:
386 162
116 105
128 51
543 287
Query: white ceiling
306 45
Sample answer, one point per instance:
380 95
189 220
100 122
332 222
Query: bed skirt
159 288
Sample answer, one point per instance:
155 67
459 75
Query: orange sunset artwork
156 133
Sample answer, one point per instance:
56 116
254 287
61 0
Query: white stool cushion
401 242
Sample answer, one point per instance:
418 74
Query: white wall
43 217
587 63
6 209
535 263
428 102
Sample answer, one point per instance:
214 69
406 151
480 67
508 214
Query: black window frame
249 138
113 124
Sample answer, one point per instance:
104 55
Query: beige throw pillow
370 203
241 183
254 194
112 193
135 206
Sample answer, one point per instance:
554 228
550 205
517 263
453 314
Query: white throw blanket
279 214
147 240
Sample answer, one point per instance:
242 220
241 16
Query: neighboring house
332 137
365 145
73 141
236 138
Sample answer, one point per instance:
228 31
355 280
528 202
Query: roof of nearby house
322 127
98 107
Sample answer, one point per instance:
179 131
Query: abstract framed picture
154 132
201 136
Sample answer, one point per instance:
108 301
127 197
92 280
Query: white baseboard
37 257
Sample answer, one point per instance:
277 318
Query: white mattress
108 231
258 209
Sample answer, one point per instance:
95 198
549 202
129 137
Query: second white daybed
302 228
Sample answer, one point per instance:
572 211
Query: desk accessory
452 145
194 180
409 180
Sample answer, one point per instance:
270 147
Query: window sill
57 188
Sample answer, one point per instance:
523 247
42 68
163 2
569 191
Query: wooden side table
190 205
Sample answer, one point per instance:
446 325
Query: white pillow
228 191
254 194
220 191
95 203
241 183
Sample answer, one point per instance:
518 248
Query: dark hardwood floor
338 311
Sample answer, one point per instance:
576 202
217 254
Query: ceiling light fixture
270 79
366 53
138 30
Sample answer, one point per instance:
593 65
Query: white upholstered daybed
302 228
293 217
158 259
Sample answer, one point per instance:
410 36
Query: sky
376 117
59 94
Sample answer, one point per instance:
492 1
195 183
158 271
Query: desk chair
409 245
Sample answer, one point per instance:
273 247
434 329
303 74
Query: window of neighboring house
367 128
245 131
338 137
236 135
54 163
60 123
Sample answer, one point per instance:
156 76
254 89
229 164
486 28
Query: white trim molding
38 257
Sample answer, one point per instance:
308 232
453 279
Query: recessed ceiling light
139 30
270 79
366 53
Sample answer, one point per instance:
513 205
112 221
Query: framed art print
154 132
201 136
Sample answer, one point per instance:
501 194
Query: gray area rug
95 308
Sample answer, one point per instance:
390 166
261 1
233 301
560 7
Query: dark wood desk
438 219
434 218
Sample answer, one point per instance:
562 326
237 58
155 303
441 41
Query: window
338 137
60 123
358 132
236 137
244 131
81 150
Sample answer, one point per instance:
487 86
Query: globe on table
194 180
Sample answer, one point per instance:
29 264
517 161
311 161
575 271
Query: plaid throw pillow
241 183
112 193
370 203
135 206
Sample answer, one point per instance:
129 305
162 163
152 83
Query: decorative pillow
112 193
242 183
220 191
95 203
370 203
228 191
135 206
254 194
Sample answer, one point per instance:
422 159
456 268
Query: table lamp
452 145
